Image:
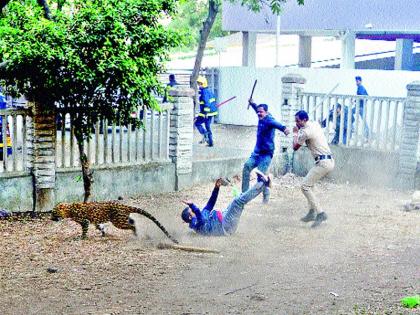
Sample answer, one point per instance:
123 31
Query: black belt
323 157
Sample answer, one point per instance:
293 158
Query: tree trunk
87 173
214 7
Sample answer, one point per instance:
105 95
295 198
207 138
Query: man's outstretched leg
249 165
233 212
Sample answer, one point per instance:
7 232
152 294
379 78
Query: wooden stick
240 289
187 248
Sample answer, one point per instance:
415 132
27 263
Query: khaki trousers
317 172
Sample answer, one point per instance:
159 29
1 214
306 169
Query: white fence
13 149
368 122
115 144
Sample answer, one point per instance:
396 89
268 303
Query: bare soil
363 260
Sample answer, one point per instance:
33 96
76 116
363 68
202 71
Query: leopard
98 213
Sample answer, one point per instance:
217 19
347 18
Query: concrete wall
16 193
356 166
208 170
238 81
110 183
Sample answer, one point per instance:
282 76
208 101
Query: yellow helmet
201 79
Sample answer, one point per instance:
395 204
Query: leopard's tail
152 218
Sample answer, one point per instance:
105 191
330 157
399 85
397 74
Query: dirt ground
362 261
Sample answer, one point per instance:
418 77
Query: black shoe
318 220
310 216
261 177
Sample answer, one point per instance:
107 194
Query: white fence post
292 85
181 134
410 136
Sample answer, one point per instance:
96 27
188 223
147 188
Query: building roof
378 19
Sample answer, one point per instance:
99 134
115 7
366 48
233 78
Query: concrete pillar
348 49
292 84
181 134
249 49
410 137
305 49
41 140
403 54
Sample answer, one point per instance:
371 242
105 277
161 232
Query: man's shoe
225 181
261 177
202 141
310 216
318 220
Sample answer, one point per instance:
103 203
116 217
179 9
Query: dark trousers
206 130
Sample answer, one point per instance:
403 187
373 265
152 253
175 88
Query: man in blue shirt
339 112
208 110
264 148
361 91
172 83
210 221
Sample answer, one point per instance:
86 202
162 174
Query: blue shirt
207 102
265 133
361 90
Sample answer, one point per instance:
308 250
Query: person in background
339 111
208 110
361 91
172 83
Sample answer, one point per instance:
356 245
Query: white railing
13 146
116 144
376 125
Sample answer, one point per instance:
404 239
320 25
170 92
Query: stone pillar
249 49
403 54
41 156
292 84
410 137
348 51
305 50
181 134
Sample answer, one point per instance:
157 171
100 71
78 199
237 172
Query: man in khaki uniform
310 133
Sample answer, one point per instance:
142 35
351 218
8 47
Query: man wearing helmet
208 110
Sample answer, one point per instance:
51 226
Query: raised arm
213 198
252 104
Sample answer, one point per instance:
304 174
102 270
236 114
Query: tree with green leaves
98 59
213 10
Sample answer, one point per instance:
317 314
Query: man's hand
187 202
295 129
218 183
286 131
251 101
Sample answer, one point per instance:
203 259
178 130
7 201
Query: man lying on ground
214 222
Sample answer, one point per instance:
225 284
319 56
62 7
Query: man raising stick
310 132
264 148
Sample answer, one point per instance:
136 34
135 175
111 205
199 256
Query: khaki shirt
313 135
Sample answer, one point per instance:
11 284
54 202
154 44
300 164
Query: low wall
209 170
358 166
110 183
16 193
